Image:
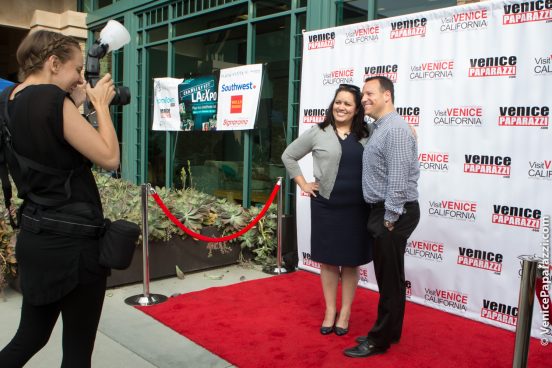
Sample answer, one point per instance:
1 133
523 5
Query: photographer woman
59 274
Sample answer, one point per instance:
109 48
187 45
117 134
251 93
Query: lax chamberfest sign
476 82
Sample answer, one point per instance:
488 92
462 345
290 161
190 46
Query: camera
113 36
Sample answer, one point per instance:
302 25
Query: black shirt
51 265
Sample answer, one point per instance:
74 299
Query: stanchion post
525 310
279 269
146 298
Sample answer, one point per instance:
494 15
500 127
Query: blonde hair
38 46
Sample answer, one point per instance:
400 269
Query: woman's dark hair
38 46
358 126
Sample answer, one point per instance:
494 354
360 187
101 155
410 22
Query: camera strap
18 166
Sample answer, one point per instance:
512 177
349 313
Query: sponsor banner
542 65
238 93
166 115
471 20
454 116
198 103
482 259
426 250
434 161
541 170
478 98
525 116
488 165
446 299
411 114
499 312
517 216
527 11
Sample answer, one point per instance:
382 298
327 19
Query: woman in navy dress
339 238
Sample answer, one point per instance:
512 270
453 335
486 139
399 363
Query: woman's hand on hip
310 188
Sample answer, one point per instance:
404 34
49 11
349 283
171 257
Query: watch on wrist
388 224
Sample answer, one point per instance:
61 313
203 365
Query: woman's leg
81 310
349 281
329 275
35 327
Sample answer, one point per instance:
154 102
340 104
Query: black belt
36 219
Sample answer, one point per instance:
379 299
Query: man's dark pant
389 248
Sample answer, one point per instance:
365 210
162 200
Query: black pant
389 248
80 311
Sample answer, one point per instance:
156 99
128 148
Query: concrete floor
129 338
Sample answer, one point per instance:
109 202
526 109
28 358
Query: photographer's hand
102 94
99 146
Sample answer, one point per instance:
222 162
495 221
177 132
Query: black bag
118 243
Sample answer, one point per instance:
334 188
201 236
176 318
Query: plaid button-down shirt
390 168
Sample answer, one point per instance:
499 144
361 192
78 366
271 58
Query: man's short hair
385 85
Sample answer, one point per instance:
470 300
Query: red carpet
274 322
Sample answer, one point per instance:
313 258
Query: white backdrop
476 82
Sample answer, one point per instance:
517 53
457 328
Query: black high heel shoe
328 330
341 331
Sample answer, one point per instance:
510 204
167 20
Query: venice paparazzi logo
517 216
542 65
321 41
447 299
527 11
307 261
495 66
434 161
453 210
388 70
468 116
411 114
536 116
468 21
314 115
540 170
426 250
408 28
486 164
362 35
480 259
433 70
499 312
338 76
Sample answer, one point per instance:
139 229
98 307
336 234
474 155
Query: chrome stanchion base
144 301
273 270
280 270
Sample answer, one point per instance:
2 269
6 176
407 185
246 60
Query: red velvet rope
224 238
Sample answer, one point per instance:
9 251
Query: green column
321 14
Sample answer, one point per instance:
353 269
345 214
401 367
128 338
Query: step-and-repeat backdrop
476 83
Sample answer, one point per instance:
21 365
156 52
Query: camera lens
122 96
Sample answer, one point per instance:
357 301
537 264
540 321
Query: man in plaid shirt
390 172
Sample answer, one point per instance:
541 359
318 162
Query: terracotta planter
188 254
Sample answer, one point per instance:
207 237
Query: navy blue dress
339 235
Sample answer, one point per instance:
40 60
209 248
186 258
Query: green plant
8 263
195 210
